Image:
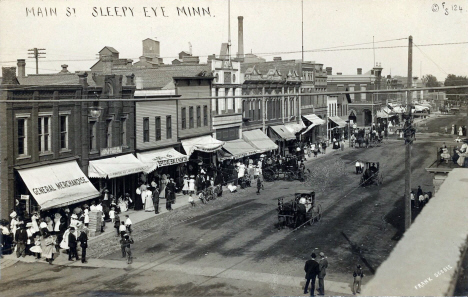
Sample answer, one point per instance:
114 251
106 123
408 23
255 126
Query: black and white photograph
233 148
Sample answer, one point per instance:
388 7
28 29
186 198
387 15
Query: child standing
190 200
128 224
117 224
112 214
36 249
185 189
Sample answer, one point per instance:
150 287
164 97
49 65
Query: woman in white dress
149 201
164 181
186 188
122 204
192 184
34 219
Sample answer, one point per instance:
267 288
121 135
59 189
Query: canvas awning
295 127
204 144
58 184
238 148
338 121
282 132
314 119
116 166
161 158
259 140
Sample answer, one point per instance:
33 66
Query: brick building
40 139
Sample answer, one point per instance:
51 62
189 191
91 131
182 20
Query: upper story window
92 135
44 140
184 118
22 134
157 121
123 131
233 78
198 116
63 132
217 77
109 132
191 117
146 130
205 115
168 127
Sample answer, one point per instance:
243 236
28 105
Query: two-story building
53 138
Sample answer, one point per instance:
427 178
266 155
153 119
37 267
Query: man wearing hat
358 275
72 244
323 264
21 237
311 269
171 189
156 199
83 239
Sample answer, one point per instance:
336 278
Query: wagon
299 211
372 174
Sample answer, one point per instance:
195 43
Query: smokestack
64 69
329 70
21 63
240 37
359 71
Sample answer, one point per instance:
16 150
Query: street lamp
95 111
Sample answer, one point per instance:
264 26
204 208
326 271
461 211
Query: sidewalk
137 216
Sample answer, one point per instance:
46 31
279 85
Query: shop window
198 116
43 126
157 122
184 118
191 117
64 132
22 137
205 115
168 127
145 129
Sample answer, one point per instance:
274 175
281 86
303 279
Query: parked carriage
300 211
372 174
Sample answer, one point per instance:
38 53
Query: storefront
336 127
118 174
312 132
236 149
56 185
285 139
165 161
201 152
259 140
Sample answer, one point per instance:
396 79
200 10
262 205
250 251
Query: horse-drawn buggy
300 210
372 174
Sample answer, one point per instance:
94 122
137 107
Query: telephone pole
408 138
36 55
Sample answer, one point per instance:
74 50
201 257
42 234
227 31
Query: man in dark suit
156 200
83 239
72 244
312 270
323 265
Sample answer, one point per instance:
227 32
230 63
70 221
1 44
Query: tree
430 81
455 80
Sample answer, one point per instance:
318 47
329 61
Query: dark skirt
138 203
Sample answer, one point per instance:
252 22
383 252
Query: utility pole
302 11
408 139
229 31
36 55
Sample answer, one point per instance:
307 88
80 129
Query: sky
337 33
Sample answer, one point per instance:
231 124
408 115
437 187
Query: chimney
21 63
329 70
83 78
64 69
339 73
131 79
240 37
106 64
129 62
359 71
9 76
276 58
